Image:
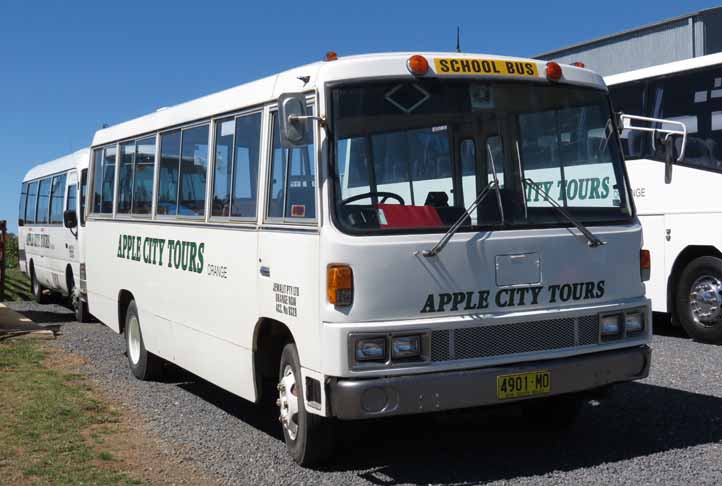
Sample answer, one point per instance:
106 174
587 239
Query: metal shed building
684 37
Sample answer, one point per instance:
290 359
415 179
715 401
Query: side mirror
668 159
70 219
294 122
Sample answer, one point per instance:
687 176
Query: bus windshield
414 155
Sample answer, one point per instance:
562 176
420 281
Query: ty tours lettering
175 254
512 297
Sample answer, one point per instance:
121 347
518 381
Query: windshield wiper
593 240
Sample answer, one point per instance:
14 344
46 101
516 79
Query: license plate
523 385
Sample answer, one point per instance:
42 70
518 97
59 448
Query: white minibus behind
50 228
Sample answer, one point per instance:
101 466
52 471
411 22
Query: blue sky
68 67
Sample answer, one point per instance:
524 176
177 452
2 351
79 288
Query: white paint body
683 214
51 250
208 324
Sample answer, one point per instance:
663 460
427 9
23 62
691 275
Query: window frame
35 203
286 221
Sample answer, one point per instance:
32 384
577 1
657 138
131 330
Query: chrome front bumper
402 395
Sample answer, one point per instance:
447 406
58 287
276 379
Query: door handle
265 271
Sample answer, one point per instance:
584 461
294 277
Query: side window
57 199
43 202
125 177
168 180
104 179
630 98
292 180
143 176
72 198
83 194
183 171
23 203
32 201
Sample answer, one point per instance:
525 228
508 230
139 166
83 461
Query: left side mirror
70 219
294 124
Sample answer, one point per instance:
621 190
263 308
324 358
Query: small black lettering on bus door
444 67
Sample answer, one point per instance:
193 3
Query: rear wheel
308 437
37 289
699 299
144 365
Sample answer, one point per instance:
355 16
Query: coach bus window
143 176
72 198
57 197
193 170
23 203
125 177
32 201
292 192
245 166
43 202
225 130
104 179
168 184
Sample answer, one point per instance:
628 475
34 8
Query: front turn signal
339 285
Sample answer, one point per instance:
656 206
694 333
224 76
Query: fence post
3 255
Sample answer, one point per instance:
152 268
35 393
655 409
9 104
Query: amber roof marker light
330 56
554 71
417 65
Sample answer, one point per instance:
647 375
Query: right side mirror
70 219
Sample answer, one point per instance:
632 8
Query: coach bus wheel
308 437
38 290
143 364
699 299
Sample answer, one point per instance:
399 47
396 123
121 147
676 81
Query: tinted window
32 200
57 199
168 183
143 176
292 193
23 203
43 202
193 170
125 177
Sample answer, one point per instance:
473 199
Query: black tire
313 440
143 364
554 413
700 273
82 314
37 289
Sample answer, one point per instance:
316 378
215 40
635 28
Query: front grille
514 338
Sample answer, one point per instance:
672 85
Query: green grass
17 286
45 416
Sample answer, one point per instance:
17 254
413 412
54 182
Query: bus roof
79 159
304 78
664 69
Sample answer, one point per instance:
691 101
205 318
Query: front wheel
143 364
308 437
699 299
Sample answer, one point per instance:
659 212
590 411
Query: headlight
405 347
633 322
610 327
371 349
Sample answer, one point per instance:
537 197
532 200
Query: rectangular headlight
405 347
371 349
610 326
633 322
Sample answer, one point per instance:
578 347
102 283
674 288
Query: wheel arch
125 297
690 253
269 338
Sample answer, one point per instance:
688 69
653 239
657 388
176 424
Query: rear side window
23 203
43 202
32 201
57 199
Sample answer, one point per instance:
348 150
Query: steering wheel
383 194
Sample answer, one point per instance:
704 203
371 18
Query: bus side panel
653 238
51 249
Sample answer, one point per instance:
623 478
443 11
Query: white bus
680 218
376 235
51 228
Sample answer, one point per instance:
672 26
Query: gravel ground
664 430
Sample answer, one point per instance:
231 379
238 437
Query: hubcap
134 340
705 300
288 402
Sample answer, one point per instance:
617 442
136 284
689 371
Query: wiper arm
459 222
593 240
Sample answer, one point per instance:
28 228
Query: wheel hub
288 402
705 300
134 339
